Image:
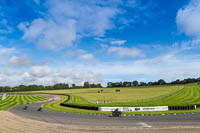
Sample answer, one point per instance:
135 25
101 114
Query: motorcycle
116 113
26 107
40 109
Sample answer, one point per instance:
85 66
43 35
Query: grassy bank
15 100
56 107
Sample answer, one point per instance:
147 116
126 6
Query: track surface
147 121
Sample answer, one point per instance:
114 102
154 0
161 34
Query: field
55 106
138 96
14 100
177 95
91 95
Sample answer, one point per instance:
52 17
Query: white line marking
144 125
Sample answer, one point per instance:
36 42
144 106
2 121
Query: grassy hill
15 100
179 95
149 96
126 95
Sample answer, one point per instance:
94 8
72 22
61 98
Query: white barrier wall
133 109
4 97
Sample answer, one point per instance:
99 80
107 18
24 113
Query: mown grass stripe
188 95
15 100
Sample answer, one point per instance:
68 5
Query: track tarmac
143 121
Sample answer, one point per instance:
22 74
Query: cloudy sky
56 41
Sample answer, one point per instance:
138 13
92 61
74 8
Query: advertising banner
133 109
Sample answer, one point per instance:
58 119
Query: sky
73 41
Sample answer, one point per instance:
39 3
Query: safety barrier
182 107
77 106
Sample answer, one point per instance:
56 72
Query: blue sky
72 41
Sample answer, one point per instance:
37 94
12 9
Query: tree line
41 87
88 85
159 82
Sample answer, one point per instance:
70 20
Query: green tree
86 85
161 82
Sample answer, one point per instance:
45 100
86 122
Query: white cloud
123 51
19 61
10 77
4 51
118 42
169 66
76 76
70 53
92 18
49 76
79 54
40 71
188 19
66 21
86 57
23 61
6 28
49 34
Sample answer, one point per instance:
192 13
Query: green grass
127 95
14 100
55 106
138 96
189 95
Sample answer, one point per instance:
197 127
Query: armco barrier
77 106
80 107
182 107
198 105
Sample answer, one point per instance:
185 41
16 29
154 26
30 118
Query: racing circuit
138 121
57 118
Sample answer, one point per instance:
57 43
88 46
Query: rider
26 106
116 110
116 113
40 108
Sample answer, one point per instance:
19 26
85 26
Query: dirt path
10 123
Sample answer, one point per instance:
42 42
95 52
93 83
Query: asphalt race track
146 121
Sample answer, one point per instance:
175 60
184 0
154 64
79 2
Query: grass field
138 96
78 98
15 100
56 107
127 95
188 95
